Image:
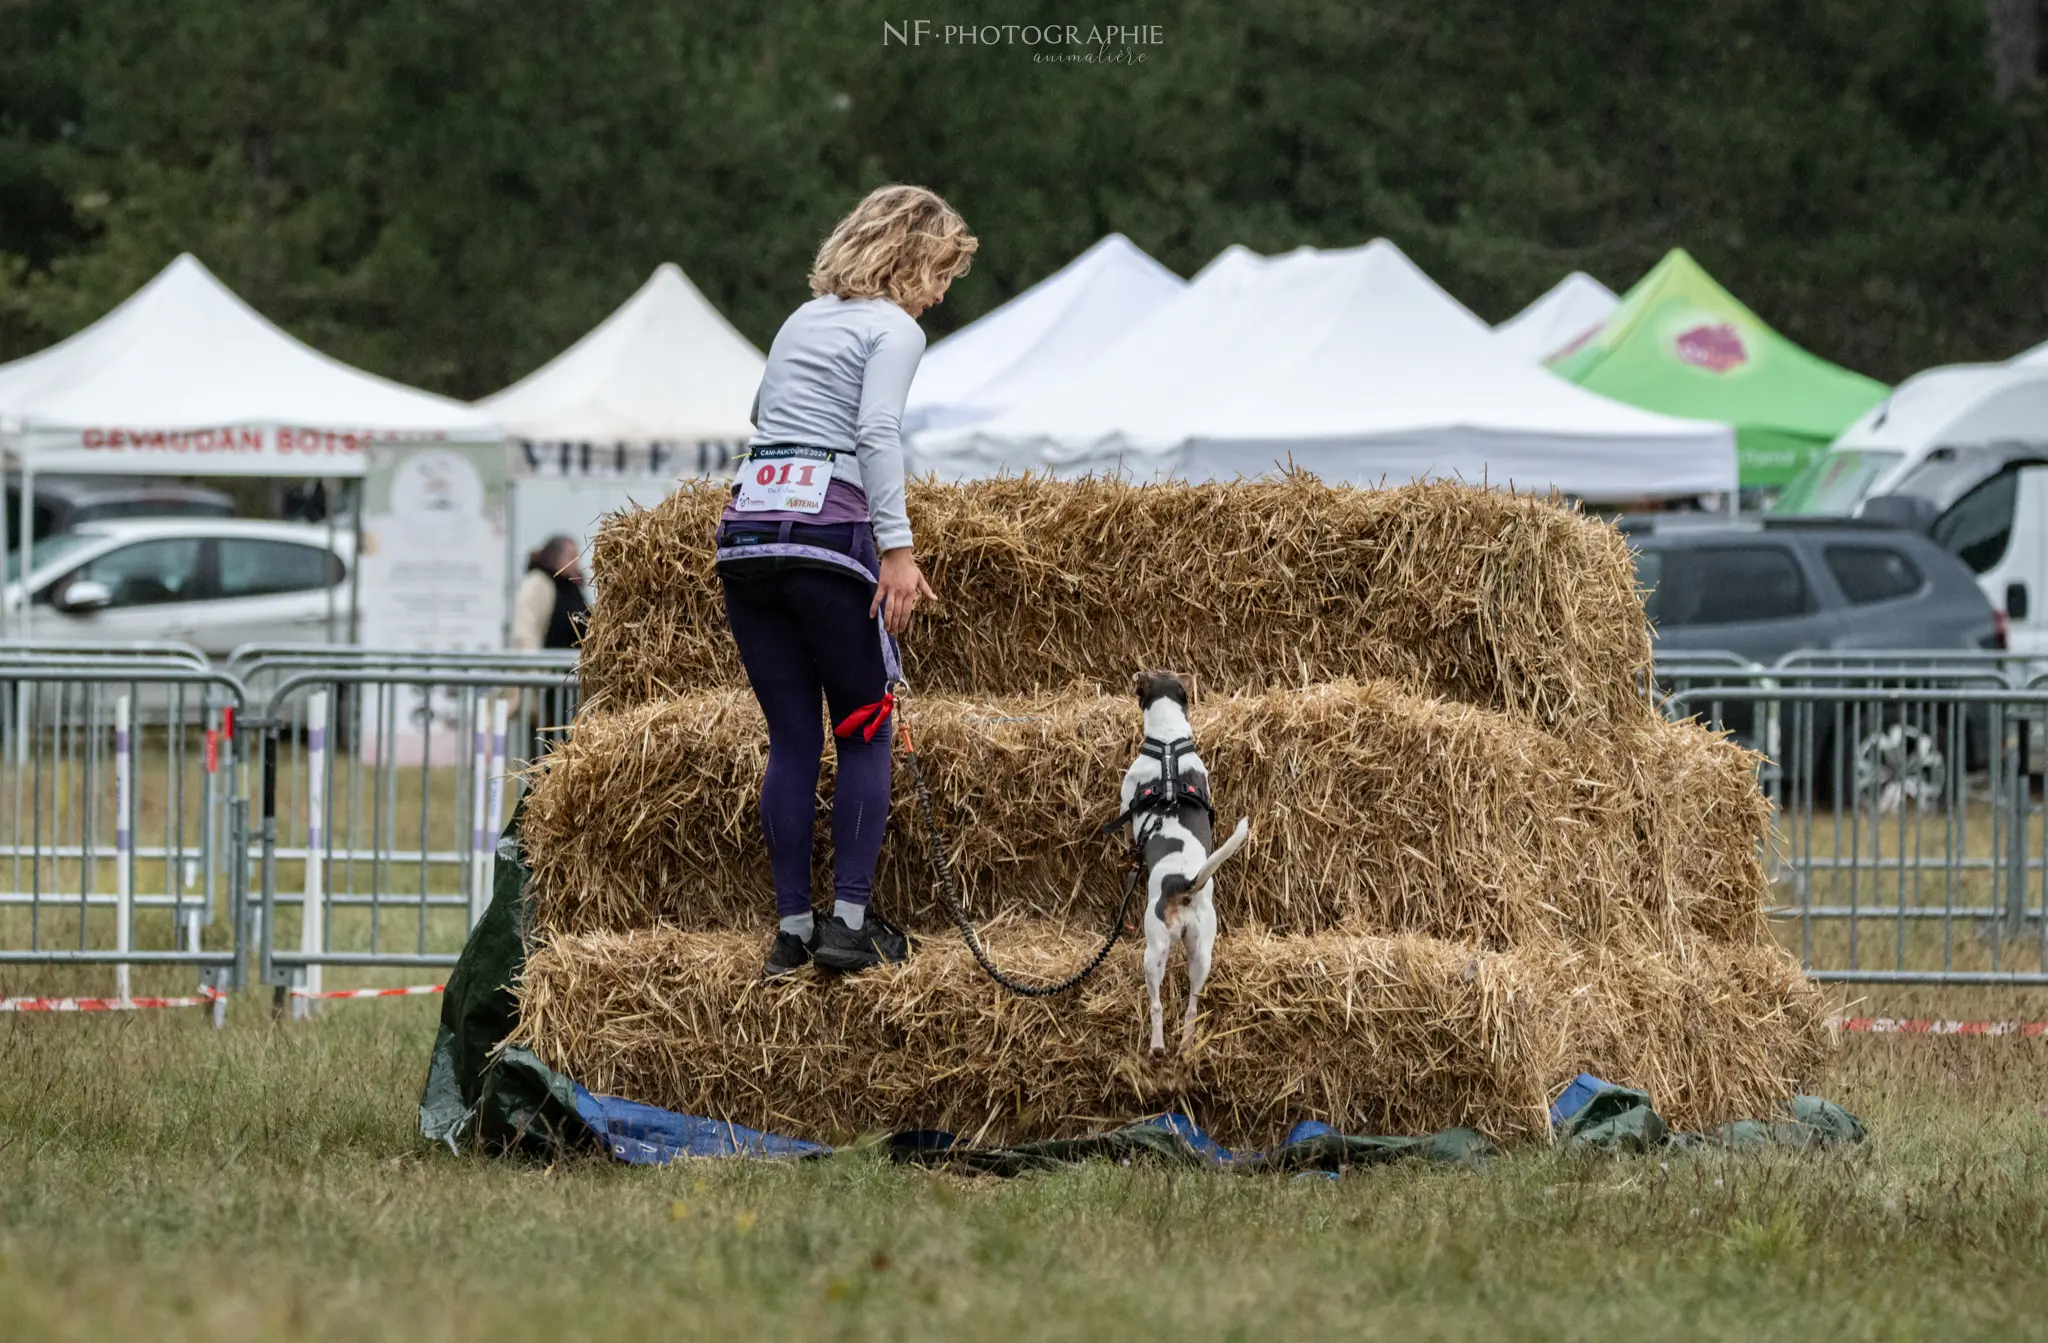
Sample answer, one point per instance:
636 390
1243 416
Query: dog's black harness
1168 793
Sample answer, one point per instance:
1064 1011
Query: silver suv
216 583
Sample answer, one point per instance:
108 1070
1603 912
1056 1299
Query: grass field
161 1180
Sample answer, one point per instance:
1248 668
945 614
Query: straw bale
1380 1035
1718 1034
1500 600
1702 821
1373 810
1369 1034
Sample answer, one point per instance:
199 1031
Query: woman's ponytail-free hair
900 243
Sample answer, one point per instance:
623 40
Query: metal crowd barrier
309 807
282 815
384 787
264 668
120 825
1907 845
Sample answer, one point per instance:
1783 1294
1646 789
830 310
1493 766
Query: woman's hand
901 588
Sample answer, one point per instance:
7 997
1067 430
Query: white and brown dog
1166 803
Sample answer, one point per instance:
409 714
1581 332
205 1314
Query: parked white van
1987 506
1958 405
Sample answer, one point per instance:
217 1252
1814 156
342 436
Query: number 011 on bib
783 480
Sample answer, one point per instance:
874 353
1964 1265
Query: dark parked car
1765 589
64 503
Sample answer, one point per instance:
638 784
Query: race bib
783 480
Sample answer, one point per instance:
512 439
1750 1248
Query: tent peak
1066 319
1562 318
663 366
1579 279
1230 258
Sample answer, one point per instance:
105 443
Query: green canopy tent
1681 344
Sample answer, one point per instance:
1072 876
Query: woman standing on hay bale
814 555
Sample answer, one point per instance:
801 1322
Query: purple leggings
802 634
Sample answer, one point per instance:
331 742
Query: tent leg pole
327 494
10 621
28 537
355 566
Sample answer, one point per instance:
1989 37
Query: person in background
814 554
549 610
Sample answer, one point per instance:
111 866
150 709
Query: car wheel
1897 764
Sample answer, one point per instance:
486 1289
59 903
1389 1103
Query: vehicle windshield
49 550
1834 483
1948 475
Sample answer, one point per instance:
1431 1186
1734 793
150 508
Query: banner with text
433 578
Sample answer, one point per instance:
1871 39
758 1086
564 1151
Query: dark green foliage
451 192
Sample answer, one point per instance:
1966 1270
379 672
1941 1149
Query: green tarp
1620 1119
475 1096
1681 344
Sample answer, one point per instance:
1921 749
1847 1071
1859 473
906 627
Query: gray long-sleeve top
837 376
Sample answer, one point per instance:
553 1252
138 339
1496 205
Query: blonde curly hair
900 243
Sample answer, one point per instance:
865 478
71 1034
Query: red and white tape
203 999
1916 1026
410 991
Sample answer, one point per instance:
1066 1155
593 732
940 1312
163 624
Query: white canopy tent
665 368
1352 364
1008 357
1572 309
183 378
661 388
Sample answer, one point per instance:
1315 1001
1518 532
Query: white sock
850 914
800 924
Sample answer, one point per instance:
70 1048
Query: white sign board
433 578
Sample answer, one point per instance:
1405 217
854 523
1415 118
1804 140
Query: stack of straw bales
1481 862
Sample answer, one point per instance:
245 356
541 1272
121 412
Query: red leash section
868 718
1914 1026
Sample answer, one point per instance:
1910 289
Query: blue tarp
1583 1088
647 1135
1591 1112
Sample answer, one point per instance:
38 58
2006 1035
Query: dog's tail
1222 854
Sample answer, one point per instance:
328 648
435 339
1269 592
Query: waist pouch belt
754 550
763 549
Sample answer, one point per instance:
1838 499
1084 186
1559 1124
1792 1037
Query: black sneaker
790 952
875 942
